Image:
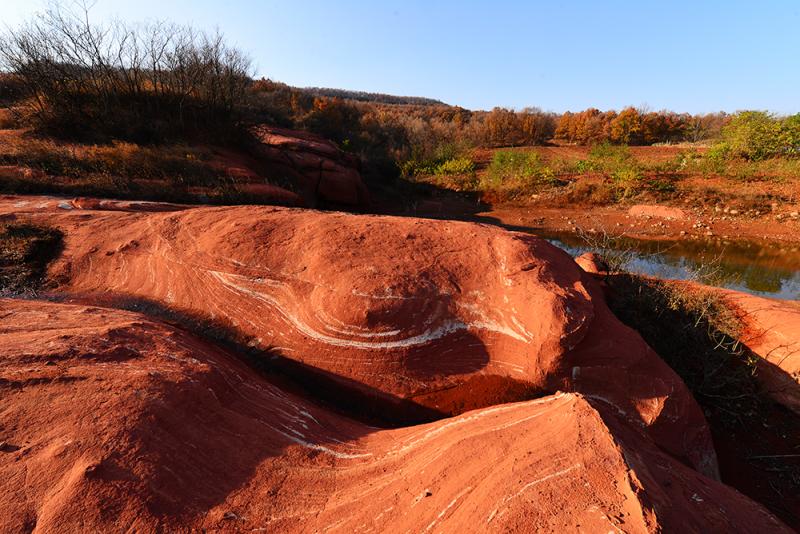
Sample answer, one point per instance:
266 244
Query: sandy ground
617 220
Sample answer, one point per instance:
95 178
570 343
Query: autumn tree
626 128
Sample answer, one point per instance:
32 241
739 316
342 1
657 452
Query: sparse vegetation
149 93
120 161
25 252
119 169
513 172
698 335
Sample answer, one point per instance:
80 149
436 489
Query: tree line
162 81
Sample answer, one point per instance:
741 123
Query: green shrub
457 165
790 135
519 167
758 135
443 159
716 158
626 182
661 186
605 157
752 135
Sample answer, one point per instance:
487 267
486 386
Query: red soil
616 220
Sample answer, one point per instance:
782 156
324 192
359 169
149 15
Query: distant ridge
372 97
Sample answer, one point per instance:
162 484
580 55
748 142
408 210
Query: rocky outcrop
421 318
113 422
592 263
770 330
248 178
320 169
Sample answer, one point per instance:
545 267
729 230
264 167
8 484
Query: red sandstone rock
444 315
321 170
592 263
772 331
113 422
244 171
83 203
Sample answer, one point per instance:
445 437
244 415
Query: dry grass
690 327
25 252
698 335
120 160
119 169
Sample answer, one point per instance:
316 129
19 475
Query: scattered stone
649 211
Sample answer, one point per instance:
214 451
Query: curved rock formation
319 167
414 314
113 422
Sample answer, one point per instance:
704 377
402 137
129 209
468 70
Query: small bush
661 186
626 182
584 192
518 169
751 135
605 157
458 165
443 159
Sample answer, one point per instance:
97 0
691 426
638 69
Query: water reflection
769 270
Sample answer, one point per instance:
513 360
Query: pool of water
771 270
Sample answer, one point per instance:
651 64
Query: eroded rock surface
417 314
319 167
592 263
771 330
114 422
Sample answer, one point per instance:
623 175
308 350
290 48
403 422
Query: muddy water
771 270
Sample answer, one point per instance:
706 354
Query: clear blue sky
694 56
